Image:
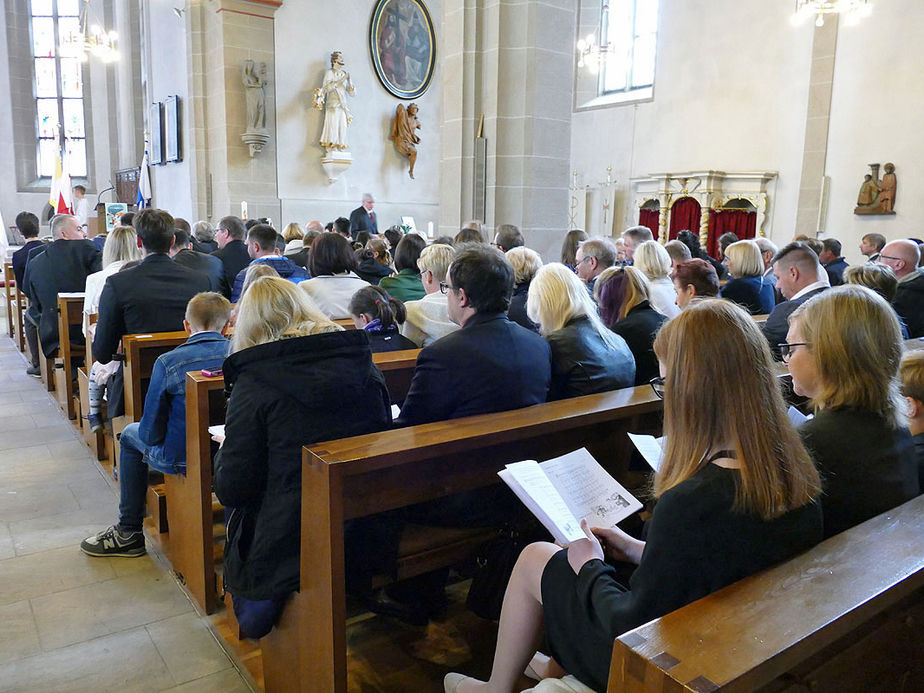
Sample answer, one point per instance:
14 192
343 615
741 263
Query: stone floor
69 622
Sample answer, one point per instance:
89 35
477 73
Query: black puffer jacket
284 395
583 364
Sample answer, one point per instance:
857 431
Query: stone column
513 62
815 150
221 35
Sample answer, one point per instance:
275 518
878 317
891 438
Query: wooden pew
70 312
9 292
21 304
365 475
139 352
844 616
189 504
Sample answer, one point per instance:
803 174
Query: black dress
867 467
696 545
639 328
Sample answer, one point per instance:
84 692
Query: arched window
631 30
58 87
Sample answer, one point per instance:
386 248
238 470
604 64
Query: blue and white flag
144 185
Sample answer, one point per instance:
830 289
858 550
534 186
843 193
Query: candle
429 229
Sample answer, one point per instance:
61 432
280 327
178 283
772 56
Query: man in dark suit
832 261
151 297
903 257
799 276
60 266
363 217
490 364
232 251
183 254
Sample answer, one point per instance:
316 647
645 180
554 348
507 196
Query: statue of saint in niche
254 79
403 133
331 96
877 196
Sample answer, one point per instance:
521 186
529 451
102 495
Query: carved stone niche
713 190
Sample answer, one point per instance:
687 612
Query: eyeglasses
657 384
786 349
888 257
445 287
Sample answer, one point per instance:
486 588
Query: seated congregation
740 487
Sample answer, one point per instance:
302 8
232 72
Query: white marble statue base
335 162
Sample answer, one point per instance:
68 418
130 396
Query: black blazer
490 364
517 309
208 265
151 297
583 364
639 328
234 257
60 267
361 221
777 324
867 467
909 304
835 270
19 260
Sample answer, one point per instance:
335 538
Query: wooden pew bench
844 616
9 293
365 475
190 505
70 313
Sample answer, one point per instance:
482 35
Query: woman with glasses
843 350
586 357
735 494
622 294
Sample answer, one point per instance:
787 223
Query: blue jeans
133 479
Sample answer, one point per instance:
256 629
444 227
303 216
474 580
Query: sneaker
96 422
34 371
111 542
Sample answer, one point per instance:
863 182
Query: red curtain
739 221
685 214
650 218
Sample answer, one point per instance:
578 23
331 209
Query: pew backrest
807 623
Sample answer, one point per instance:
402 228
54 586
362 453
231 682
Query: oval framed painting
402 44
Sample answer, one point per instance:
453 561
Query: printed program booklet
563 491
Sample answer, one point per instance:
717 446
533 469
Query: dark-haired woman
374 311
334 279
406 285
691 241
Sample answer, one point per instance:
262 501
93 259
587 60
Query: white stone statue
254 80
331 96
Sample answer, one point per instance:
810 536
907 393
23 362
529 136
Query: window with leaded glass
58 81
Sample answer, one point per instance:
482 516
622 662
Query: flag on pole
61 189
144 184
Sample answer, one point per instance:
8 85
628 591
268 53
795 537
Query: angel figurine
403 133
331 96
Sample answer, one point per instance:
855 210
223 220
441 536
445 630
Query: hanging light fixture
593 50
93 40
853 10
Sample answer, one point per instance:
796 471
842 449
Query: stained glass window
59 107
631 28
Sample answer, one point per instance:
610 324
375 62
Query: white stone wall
305 35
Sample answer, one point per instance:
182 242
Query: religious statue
254 81
331 96
403 135
877 196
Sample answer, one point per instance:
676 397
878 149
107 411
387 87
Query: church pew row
365 475
70 312
189 504
844 616
9 294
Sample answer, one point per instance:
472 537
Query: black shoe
111 542
34 371
384 605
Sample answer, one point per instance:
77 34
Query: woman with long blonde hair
843 350
295 378
735 494
655 263
586 356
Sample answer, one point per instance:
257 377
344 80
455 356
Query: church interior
783 120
